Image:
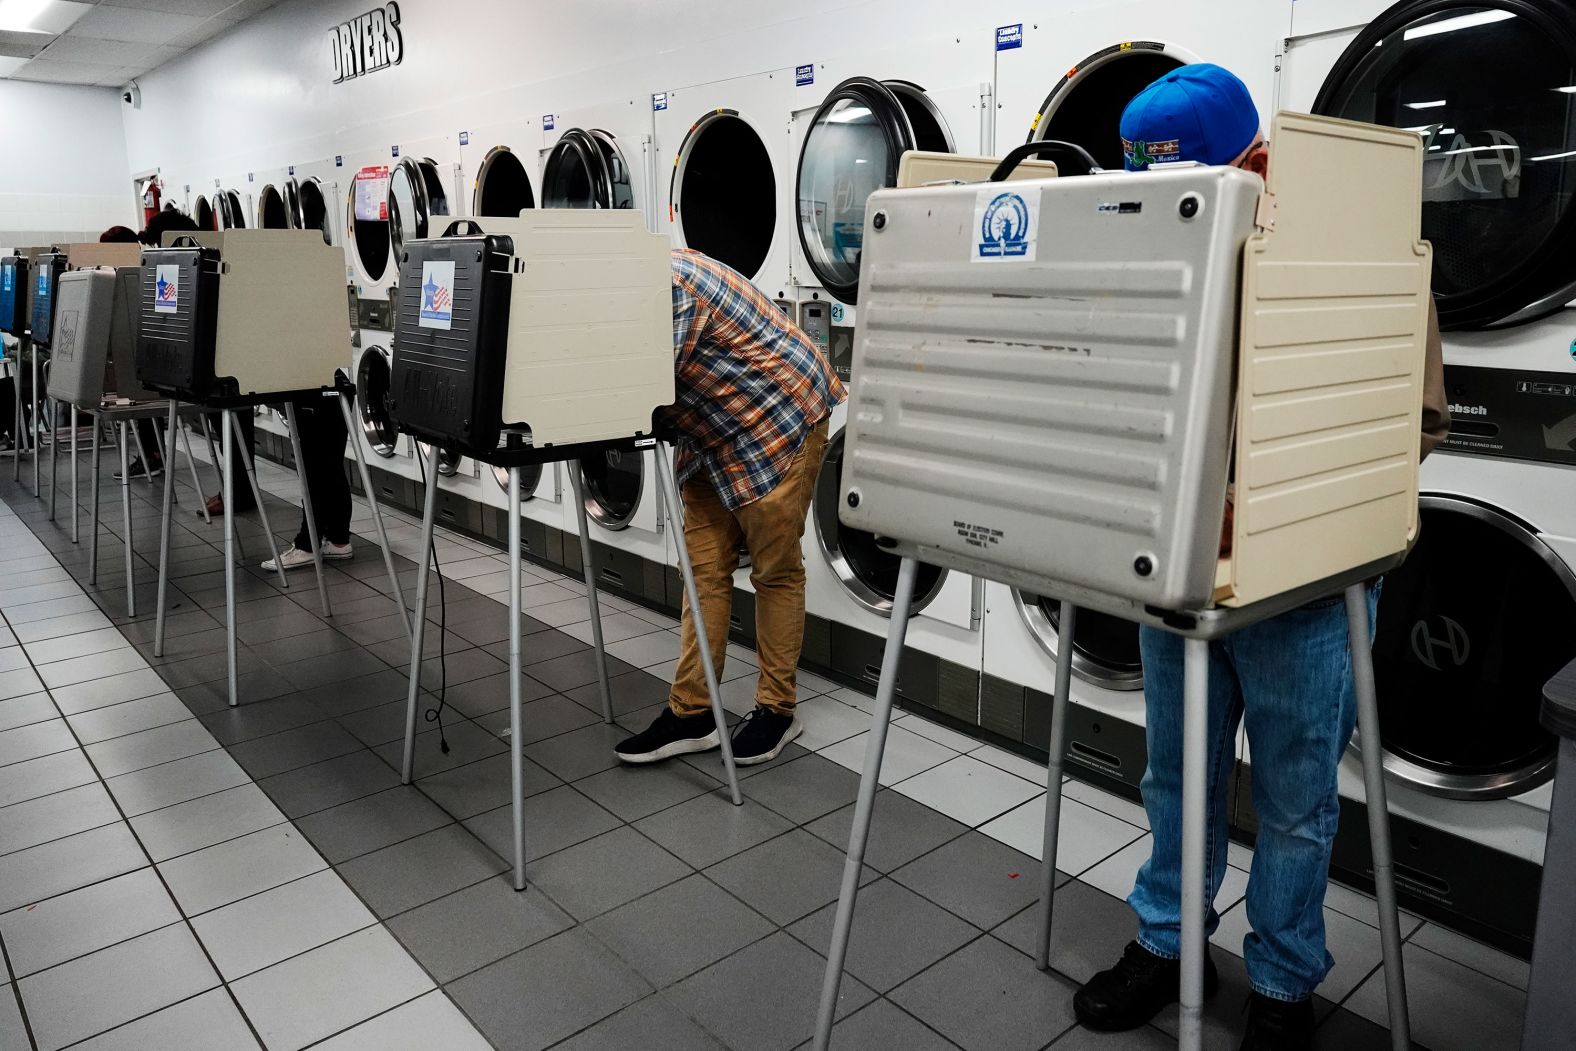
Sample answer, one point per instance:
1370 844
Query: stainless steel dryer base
1198 629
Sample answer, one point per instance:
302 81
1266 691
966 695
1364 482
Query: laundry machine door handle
1018 154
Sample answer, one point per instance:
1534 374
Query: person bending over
1289 677
754 398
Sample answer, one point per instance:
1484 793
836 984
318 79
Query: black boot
1131 993
1278 1025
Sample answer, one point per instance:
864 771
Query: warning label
977 535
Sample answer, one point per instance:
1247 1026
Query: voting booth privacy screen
559 321
1055 380
95 321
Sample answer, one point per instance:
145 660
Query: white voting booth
532 340
1057 382
227 321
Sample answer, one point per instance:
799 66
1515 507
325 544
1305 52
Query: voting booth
244 316
95 334
1060 383
528 341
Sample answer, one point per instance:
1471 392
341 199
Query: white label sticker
167 289
1006 224
437 294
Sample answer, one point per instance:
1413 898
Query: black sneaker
1131 993
762 735
136 469
1278 1025
668 736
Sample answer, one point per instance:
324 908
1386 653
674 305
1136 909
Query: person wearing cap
1289 678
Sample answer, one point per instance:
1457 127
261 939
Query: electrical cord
435 714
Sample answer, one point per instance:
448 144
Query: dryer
725 146
203 213
232 199
1111 52
628 525
600 156
498 161
1472 624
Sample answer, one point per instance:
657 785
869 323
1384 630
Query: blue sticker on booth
437 294
659 101
1009 37
803 75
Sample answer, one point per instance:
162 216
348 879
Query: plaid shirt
750 384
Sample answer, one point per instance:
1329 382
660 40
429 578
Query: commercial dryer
600 156
1468 629
724 147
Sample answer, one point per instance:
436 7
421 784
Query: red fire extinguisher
150 201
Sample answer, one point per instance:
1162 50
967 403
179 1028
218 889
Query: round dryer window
1085 107
1105 648
448 459
291 192
613 481
368 211
372 391
416 195
866 570
724 193
530 474
586 169
1470 627
271 212
314 210
235 210
204 215
1491 87
503 188
852 149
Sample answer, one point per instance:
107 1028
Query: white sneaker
295 558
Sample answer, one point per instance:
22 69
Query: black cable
436 714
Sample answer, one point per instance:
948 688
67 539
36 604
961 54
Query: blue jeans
1291 678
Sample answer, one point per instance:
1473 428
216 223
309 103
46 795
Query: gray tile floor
175 873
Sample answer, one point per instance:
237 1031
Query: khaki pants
771 528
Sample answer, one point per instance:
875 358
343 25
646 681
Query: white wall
65 176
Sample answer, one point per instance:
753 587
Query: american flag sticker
437 294
167 289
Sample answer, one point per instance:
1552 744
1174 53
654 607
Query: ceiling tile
74 47
62 72
29 44
11 65
143 27
207 31
245 9
175 7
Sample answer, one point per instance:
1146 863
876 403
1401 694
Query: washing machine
1112 51
1476 620
724 146
600 156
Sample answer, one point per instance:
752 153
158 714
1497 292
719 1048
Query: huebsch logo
366 44
1468 410
1439 641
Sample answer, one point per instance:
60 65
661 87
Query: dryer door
503 187
1491 86
530 475
235 211
291 192
865 569
586 169
1469 629
372 394
850 151
271 211
612 483
204 214
723 197
416 196
1085 107
315 214
1105 648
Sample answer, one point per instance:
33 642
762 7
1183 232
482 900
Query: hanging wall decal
366 44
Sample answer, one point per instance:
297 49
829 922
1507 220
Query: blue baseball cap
1199 112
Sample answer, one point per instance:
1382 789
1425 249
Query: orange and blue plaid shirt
750 384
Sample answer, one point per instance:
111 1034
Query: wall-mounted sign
1009 37
465 138
659 101
804 74
292 171
339 161
394 151
366 44
251 176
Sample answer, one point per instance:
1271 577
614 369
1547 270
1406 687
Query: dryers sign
437 294
1005 225
167 289
366 44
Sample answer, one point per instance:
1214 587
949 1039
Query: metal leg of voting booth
418 628
306 507
167 509
1057 751
93 504
76 492
670 494
191 462
869 783
54 453
32 422
516 746
347 409
1195 756
125 516
233 424
589 566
